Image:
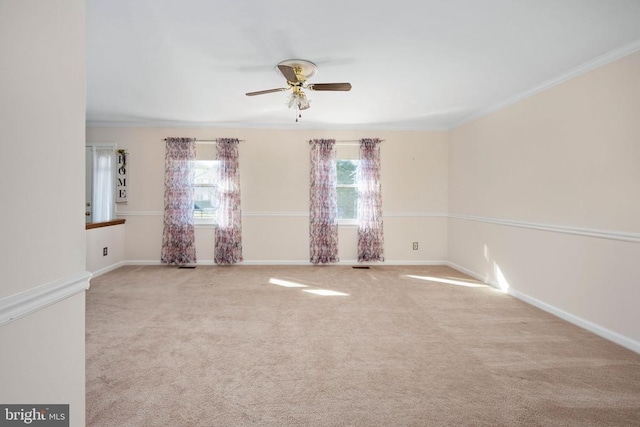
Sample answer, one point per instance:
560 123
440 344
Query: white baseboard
143 262
108 269
605 333
24 303
294 262
348 262
578 321
472 273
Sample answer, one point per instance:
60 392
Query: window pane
205 202
347 202
205 172
347 170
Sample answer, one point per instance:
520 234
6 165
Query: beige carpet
222 346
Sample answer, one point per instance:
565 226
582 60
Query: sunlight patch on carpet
325 292
286 283
449 281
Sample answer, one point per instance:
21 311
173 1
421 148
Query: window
100 182
205 188
347 188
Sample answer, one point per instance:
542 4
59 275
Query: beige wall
541 195
548 191
42 114
275 192
112 238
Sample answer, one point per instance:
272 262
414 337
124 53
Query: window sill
204 225
90 225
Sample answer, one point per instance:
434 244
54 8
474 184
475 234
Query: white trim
143 262
108 269
140 213
205 225
296 214
414 215
299 262
397 126
578 321
286 214
384 214
578 231
348 262
24 303
581 69
584 68
565 229
112 145
483 279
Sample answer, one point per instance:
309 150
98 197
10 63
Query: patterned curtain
228 249
370 233
178 242
323 210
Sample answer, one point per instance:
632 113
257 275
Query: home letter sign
121 177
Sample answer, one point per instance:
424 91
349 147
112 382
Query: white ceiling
413 64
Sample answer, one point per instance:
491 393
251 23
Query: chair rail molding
24 303
578 231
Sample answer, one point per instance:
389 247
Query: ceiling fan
297 71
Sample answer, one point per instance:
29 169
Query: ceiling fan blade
330 86
262 92
288 73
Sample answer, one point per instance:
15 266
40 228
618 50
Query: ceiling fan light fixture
296 72
299 100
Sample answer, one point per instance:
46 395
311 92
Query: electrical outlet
105 251
415 246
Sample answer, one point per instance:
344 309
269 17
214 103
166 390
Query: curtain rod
354 140
242 140
210 140
346 141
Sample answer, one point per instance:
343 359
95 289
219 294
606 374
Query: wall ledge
578 231
91 225
24 303
296 214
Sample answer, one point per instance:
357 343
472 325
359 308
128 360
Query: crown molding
584 68
410 126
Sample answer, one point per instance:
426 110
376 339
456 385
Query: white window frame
348 221
199 220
